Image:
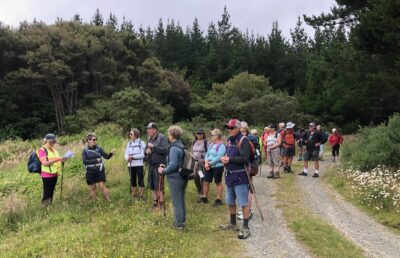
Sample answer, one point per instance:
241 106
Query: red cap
233 123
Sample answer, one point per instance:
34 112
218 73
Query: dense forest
72 75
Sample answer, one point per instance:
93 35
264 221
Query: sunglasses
231 128
94 140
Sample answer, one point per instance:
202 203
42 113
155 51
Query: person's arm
141 154
340 139
173 161
126 155
245 153
161 147
105 155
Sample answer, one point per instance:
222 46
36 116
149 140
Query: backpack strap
47 153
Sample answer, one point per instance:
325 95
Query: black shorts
288 152
311 155
215 173
95 176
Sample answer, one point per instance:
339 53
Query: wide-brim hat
290 125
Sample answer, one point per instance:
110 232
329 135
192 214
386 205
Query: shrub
375 146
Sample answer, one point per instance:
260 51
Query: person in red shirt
335 140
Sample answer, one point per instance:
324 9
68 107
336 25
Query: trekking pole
162 179
62 180
148 180
254 192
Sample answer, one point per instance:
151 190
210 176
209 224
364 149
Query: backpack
290 140
188 165
253 163
34 165
325 137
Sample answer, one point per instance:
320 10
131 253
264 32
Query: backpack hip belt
236 171
100 165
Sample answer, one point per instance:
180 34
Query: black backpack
34 165
324 137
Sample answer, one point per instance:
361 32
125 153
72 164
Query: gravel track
270 238
375 239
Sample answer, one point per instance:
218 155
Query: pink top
42 153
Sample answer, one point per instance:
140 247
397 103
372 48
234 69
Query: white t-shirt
136 149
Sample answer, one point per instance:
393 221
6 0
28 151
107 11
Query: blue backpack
34 165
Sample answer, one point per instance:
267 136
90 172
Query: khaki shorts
274 157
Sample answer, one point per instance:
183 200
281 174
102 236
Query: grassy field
320 238
78 227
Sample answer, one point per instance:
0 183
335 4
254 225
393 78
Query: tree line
73 74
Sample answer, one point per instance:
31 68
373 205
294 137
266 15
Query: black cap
50 136
272 126
200 131
152 125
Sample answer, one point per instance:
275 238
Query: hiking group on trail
237 162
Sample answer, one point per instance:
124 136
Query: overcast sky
255 15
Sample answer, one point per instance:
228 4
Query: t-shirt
42 153
272 139
199 150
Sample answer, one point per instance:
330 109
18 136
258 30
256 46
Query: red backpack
288 139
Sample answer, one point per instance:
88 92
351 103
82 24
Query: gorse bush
375 146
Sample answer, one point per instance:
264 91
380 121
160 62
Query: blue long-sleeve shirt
175 158
213 156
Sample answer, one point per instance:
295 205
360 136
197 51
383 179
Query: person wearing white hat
288 146
335 140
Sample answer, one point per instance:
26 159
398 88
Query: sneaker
229 226
302 173
276 175
271 174
179 228
315 175
217 202
244 233
299 159
239 215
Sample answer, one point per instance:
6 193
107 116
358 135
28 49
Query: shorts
239 193
274 158
288 152
311 155
215 173
95 176
154 179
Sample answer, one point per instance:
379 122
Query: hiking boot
315 175
290 170
179 228
203 200
239 215
302 173
286 170
244 233
271 174
299 159
155 204
140 198
276 175
217 202
229 226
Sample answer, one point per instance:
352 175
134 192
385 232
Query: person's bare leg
206 188
105 191
141 191
220 190
93 192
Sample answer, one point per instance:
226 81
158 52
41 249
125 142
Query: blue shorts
239 193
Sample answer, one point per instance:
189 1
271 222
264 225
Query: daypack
189 163
288 139
253 163
34 165
325 137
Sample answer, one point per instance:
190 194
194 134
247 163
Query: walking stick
254 192
62 180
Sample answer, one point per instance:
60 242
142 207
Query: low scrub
375 146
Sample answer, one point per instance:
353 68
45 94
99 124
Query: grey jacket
160 150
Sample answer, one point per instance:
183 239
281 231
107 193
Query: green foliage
375 146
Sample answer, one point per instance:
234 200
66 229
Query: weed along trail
373 238
270 238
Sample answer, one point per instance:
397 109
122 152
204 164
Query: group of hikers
237 160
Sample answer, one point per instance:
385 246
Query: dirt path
372 237
270 238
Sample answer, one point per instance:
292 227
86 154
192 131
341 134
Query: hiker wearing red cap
236 180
